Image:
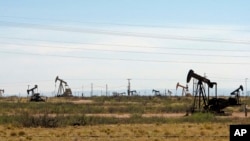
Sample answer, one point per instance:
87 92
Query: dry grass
123 132
138 109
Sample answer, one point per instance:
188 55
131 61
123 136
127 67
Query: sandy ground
166 115
240 114
82 101
143 115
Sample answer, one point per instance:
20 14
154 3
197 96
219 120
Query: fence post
245 109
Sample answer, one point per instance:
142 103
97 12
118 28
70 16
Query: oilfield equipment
128 87
235 96
184 89
63 90
170 92
35 96
202 101
1 92
133 92
156 92
118 94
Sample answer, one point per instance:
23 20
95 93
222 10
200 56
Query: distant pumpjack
63 92
1 92
118 94
235 96
184 89
35 96
170 92
157 93
133 92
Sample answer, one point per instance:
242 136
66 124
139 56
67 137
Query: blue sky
129 11
155 43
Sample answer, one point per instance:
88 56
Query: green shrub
200 117
27 120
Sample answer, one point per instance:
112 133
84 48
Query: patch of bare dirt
239 114
165 115
143 115
110 115
82 101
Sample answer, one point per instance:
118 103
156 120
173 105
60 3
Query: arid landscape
113 118
124 70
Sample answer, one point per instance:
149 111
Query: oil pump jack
157 93
184 89
235 96
35 96
1 92
63 92
202 102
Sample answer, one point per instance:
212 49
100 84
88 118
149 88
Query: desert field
121 132
113 119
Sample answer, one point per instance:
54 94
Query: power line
174 26
137 52
25 82
122 59
129 46
118 33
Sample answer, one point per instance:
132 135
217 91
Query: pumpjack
170 92
202 101
63 92
184 89
133 92
35 96
235 96
119 94
1 92
157 93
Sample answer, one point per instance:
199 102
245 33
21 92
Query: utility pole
129 87
91 93
82 91
246 87
28 93
106 89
